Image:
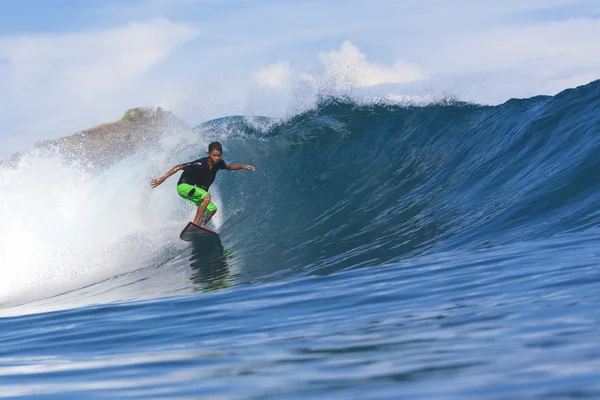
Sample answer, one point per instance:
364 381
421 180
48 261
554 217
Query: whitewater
442 250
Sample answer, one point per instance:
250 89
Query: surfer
197 177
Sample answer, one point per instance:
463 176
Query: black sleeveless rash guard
198 174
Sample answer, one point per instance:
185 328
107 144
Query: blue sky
66 66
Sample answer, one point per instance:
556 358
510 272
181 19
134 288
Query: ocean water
377 252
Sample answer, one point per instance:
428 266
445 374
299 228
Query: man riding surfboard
197 177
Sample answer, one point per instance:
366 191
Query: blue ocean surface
379 251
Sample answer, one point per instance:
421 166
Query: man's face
215 156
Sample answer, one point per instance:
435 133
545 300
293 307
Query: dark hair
215 146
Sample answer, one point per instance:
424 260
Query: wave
341 186
348 185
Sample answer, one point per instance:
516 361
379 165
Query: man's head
215 151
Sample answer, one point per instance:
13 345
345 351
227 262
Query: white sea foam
64 227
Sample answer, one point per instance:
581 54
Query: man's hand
157 181
249 167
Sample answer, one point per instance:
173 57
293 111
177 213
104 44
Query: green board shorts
195 195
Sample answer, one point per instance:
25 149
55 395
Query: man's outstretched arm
234 167
158 181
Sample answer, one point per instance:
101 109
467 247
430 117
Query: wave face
348 185
378 251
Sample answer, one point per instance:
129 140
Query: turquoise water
378 252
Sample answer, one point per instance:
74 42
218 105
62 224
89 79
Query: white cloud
548 47
349 68
494 65
70 80
276 76
345 71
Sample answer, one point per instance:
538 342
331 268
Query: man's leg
209 216
201 209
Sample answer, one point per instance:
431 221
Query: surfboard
200 235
